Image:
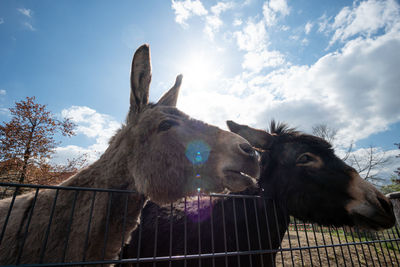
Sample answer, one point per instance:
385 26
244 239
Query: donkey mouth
377 222
236 181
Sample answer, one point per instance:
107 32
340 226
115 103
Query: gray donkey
160 154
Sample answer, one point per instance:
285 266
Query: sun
199 70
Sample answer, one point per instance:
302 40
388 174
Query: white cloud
29 26
186 9
285 28
253 39
323 23
3 92
63 154
272 9
27 23
256 61
94 125
1 20
308 27
221 7
25 12
237 22
5 111
354 90
365 18
305 42
213 21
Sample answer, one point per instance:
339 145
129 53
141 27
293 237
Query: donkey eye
305 158
166 125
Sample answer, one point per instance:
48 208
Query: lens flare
197 152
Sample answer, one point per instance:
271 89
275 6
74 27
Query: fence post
395 199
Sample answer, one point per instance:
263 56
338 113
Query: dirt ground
372 254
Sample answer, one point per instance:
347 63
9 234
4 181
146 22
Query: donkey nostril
386 204
248 149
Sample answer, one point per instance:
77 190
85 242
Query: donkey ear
140 79
170 97
257 138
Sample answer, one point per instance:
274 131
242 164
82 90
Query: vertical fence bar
308 244
377 253
185 233
199 227
140 230
69 226
8 214
286 217
298 241
380 245
395 254
324 241
316 243
348 248
394 236
212 232
224 229
53 207
88 227
269 234
156 235
170 233
247 230
105 239
21 248
369 249
258 231
121 255
386 244
332 243
362 248
341 248
236 230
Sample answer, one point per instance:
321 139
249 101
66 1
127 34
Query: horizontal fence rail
206 230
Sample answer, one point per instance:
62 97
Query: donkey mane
281 128
283 133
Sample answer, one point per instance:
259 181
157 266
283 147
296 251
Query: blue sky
302 62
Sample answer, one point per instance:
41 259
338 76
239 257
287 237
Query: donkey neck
110 170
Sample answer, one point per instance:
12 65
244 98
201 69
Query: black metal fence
212 230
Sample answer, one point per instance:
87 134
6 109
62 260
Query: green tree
393 187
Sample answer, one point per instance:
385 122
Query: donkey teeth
245 174
250 177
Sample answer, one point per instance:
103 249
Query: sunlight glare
199 70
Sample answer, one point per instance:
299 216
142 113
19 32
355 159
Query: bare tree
325 132
367 162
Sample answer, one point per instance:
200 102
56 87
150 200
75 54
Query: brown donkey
161 154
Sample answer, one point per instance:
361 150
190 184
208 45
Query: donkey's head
303 171
171 155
